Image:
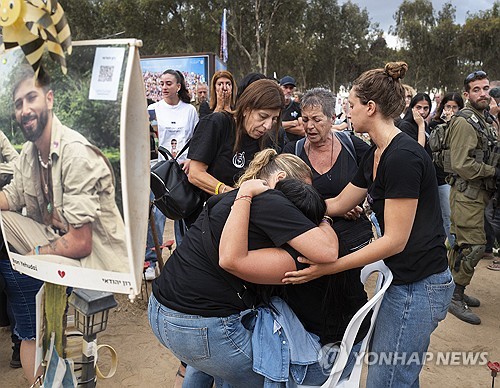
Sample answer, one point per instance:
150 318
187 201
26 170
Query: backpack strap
299 146
166 153
346 141
471 118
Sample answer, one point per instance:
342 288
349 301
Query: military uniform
473 158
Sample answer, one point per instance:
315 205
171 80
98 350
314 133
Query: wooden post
56 301
152 224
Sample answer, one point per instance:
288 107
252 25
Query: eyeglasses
479 74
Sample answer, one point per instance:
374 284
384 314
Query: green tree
478 42
414 23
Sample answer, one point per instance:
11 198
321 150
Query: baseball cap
287 80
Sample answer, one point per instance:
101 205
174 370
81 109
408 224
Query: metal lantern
91 310
91 317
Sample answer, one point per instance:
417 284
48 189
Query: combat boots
460 309
471 301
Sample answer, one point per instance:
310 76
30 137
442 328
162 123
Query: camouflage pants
467 223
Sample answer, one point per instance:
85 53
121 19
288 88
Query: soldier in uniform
473 161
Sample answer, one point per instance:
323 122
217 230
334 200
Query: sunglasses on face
479 74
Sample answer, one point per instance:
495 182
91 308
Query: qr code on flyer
106 73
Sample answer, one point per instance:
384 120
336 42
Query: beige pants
23 234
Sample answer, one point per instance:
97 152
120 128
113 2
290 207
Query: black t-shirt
406 171
410 127
331 183
290 113
326 305
190 283
212 144
338 296
204 109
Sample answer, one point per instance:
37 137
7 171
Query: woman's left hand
417 117
312 272
253 187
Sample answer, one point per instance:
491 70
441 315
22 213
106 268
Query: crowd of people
284 175
284 232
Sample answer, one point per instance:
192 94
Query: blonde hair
384 87
268 161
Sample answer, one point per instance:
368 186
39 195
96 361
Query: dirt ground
144 362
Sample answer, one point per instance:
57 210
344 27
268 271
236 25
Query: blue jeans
21 291
220 347
408 315
317 374
160 227
444 202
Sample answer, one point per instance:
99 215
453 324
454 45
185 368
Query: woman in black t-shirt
400 180
195 311
224 144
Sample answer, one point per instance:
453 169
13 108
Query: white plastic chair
384 280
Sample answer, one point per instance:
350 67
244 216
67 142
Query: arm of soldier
462 140
76 244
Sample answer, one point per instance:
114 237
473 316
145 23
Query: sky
382 11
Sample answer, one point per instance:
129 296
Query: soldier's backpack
438 139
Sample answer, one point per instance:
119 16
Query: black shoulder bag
174 195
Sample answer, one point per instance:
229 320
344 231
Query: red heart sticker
61 273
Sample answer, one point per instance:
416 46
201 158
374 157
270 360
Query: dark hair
213 94
447 98
416 99
420 97
384 87
261 94
474 76
183 92
305 198
495 92
247 80
25 72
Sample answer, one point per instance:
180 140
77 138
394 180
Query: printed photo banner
95 184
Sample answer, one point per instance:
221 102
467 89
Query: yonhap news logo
330 353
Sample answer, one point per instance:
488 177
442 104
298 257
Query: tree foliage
319 42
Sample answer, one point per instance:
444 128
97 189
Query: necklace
329 173
42 163
45 171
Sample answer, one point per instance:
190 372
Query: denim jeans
408 315
317 374
444 202
195 378
492 226
21 291
220 347
160 227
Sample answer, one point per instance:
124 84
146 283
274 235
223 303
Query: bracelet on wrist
327 220
217 187
247 198
37 250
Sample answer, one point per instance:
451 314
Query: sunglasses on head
479 74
